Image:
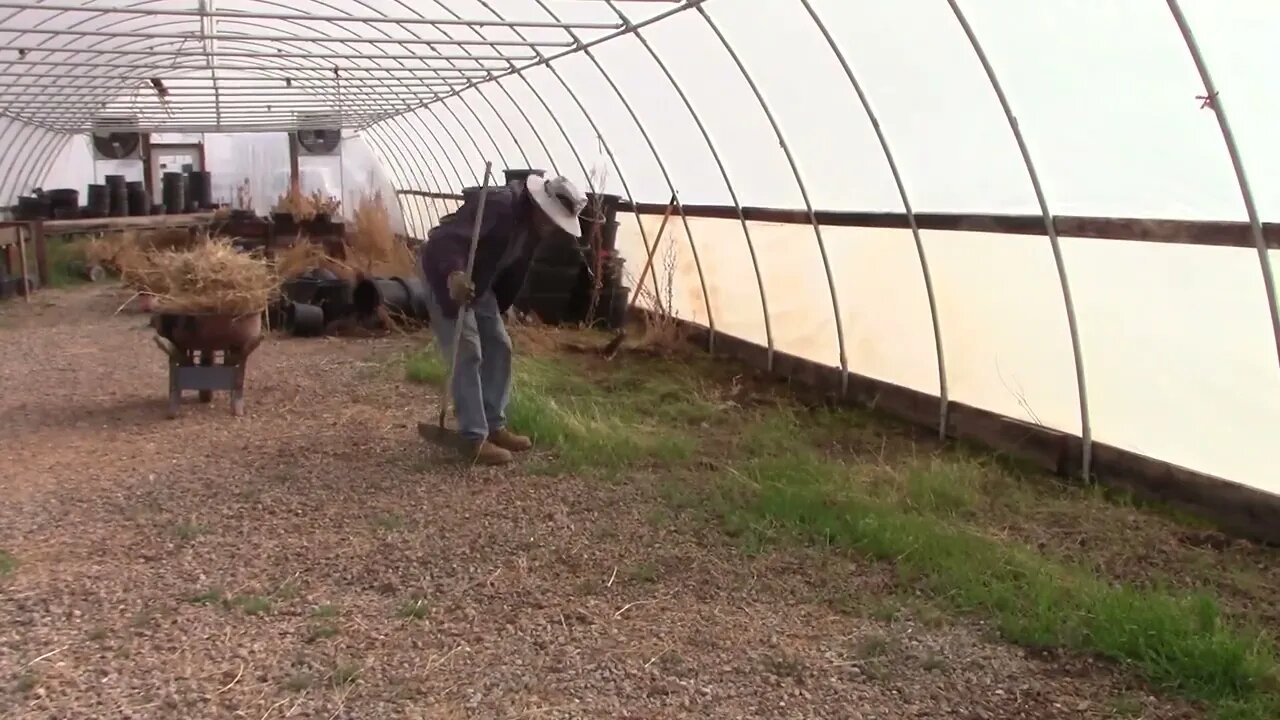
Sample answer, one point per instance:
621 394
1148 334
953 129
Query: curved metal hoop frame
1086 431
943 394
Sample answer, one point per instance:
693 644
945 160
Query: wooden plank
1154 230
68 227
1180 232
41 243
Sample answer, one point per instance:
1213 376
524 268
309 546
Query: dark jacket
504 229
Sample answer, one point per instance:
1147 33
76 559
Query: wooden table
15 237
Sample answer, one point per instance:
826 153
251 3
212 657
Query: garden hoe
438 433
612 348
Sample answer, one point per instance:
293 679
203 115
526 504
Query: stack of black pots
173 191
33 207
64 204
138 200
98 202
199 191
117 195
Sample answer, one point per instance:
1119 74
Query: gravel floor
314 560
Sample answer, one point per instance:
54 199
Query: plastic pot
305 320
300 289
371 293
521 174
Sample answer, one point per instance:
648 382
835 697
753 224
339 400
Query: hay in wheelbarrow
211 278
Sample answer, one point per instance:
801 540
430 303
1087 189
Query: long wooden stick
22 258
471 263
648 263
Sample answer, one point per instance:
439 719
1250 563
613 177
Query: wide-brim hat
560 199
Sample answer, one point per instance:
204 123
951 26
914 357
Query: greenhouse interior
781 358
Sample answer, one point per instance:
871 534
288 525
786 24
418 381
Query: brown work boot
487 453
508 440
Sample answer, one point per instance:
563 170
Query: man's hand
461 290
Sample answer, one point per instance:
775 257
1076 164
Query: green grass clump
590 426
426 367
8 563
774 478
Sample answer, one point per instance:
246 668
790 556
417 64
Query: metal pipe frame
943 394
622 178
472 111
243 22
724 173
462 156
804 192
499 115
319 39
548 59
573 148
479 70
13 178
666 175
1237 163
369 84
1086 430
386 150
412 32
236 15
304 86
178 94
155 52
400 160
318 69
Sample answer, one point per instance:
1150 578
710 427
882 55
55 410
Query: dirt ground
314 560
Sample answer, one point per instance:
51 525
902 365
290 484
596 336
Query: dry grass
373 248
661 330
370 249
212 277
304 256
305 206
117 250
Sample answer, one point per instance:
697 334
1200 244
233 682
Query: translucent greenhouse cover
760 104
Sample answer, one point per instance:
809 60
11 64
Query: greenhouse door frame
155 150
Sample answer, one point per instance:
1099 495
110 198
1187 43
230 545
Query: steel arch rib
401 162
804 192
724 173
657 157
427 217
12 173
417 164
1086 432
1237 164
943 393
622 177
396 160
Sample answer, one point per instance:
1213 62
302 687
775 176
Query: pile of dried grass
372 247
304 256
210 278
117 250
303 206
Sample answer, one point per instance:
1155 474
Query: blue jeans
482 379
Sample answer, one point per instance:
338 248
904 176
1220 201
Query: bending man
517 217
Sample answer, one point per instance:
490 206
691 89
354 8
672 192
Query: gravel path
313 560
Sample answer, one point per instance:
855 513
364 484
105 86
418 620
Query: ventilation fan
112 144
318 141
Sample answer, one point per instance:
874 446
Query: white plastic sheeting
748 103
